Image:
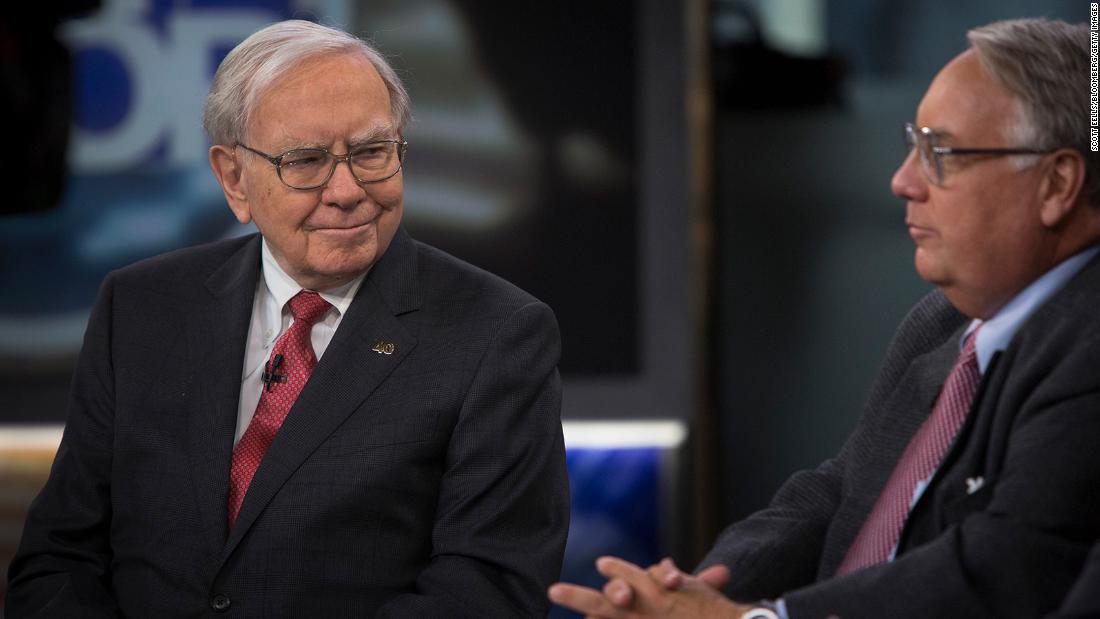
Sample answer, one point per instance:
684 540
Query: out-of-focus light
30 437
624 434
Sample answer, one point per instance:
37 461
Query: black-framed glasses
310 168
931 154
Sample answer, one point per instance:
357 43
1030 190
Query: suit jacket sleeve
783 547
503 509
63 560
778 548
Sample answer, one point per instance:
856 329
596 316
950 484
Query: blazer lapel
911 402
216 331
348 372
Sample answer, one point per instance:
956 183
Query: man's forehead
326 101
332 76
963 97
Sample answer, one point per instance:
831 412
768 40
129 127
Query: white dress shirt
271 318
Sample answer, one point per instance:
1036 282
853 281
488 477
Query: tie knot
308 306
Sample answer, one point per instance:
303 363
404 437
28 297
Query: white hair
261 59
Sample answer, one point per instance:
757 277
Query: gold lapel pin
385 348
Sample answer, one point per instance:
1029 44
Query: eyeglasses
310 168
931 154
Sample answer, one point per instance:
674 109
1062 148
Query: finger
632 575
667 574
615 567
716 576
619 593
582 599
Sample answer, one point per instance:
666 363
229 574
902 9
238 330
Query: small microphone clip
270 375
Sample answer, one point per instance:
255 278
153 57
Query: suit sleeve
1016 556
779 548
503 510
62 565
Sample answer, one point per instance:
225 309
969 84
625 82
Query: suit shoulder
931 321
452 279
928 325
185 264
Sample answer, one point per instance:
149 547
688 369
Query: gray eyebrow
374 134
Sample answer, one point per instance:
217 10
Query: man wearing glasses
969 487
326 419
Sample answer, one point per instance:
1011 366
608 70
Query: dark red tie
880 532
292 361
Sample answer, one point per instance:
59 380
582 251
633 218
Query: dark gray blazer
1010 549
429 482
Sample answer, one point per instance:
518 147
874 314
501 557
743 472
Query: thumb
716 576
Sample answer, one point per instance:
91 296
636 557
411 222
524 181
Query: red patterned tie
291 363
880 532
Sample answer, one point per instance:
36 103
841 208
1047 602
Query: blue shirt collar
997 332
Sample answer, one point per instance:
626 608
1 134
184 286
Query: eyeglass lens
929 162
311 167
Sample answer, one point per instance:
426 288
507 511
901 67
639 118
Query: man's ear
1061 186
230 174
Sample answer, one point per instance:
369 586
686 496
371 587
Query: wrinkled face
979 237
327 236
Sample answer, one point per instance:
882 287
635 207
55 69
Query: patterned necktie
291 363
883 526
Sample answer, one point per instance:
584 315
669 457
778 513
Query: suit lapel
216 331
348 372
899 414
912 403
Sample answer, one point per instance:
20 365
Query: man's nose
909 182
342 189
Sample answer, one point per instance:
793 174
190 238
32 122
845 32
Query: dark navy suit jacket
428 482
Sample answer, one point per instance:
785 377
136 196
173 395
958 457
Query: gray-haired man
968 489
325 419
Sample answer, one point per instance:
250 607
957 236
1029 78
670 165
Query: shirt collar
997 332
282 286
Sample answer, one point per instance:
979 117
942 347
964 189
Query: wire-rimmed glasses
310 168
931 154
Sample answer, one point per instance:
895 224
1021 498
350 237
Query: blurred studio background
700 190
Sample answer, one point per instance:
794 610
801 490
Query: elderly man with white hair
325 419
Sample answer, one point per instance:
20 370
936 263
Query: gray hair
251 68
1045 64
